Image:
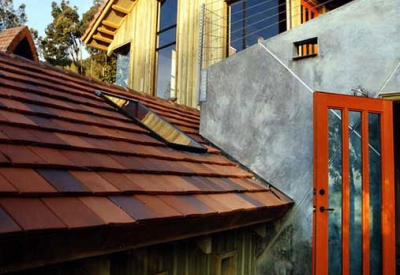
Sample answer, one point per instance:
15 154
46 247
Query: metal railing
227 29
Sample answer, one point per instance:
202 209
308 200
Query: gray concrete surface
261 115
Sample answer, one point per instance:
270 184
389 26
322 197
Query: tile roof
73 168
18 41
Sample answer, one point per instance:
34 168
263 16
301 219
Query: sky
39 11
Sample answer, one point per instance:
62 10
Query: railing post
201 41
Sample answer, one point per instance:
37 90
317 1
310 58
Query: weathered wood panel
139 28
188 29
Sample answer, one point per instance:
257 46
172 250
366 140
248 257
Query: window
251 20
306 48
123 66
166 50
159 128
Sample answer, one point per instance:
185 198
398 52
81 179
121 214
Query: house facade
345 219
98 179
163 45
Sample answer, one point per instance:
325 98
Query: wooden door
354 219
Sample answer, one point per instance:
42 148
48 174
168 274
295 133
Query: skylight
158 127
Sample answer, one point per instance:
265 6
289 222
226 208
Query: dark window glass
158 127
123 66
254 19
168 13
166 49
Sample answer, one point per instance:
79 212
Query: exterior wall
231 253
139 29
261 115
189 13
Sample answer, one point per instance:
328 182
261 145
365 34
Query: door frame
322 103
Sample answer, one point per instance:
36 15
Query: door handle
323 209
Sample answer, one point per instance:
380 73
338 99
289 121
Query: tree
62 45
10 17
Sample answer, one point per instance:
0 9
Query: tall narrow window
251 20
166 50
123 66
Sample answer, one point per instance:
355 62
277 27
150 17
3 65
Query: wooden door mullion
365 193
388 200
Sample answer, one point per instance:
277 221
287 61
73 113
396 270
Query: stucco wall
261 115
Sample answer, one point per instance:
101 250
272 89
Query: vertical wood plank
346 194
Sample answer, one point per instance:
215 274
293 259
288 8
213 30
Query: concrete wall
261 115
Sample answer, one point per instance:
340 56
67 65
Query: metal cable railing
216 39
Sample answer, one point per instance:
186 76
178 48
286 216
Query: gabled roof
18 41
79 179
106 23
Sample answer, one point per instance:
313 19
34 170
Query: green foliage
62 45
10 17
100 66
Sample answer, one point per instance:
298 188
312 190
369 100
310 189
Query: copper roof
78 178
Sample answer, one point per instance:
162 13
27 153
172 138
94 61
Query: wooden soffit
106 23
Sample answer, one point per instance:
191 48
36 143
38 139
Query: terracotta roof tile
188 205
70 160
7 224
27 180
82 216
51 154
62 180
158 206
122 181
135 208
6 187
94 182
31 213
106 210
20 154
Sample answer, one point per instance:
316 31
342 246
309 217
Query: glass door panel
335 191
355 176
375 204
354 186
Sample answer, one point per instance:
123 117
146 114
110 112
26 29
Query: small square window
306 48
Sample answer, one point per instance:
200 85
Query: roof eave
97 241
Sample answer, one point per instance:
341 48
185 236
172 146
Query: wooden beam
260 230
110 24
106 31
98 46
101 38
120 9
205 244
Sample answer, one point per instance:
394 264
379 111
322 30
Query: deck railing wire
217 34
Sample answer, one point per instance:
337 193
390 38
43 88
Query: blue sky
39 11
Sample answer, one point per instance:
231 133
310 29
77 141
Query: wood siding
232 253
139 29
189 13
